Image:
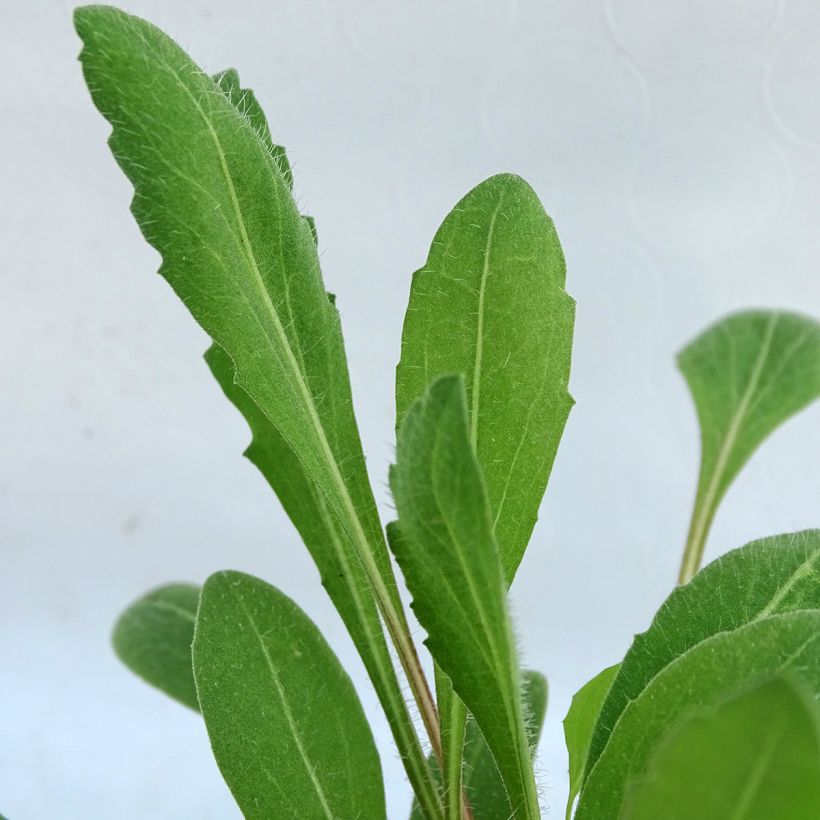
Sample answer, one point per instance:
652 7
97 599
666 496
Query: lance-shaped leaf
578 726
705 675
481 780
335 557
445 546
490 303
211 199
748 374
286 727
755 757
153 639
766 577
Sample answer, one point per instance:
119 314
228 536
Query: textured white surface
677 146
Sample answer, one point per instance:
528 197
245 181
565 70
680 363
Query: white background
676 145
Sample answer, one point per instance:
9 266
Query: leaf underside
285 724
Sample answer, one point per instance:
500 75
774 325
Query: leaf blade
771 362
153 639
766 577
497 256
285 724
777 644
754 757
444 540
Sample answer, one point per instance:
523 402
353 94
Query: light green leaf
766 577
481 780
748 374
578 726
153 639
779 644
755 757
210 198
335 557
285 724
490 303
445 546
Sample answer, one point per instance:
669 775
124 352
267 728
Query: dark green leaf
755 757
706 674
768 576
153 639
285 724
748 374
578 726
490 303
445 546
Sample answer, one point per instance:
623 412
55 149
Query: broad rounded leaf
754 757
286 727
769 576
779 644
153 639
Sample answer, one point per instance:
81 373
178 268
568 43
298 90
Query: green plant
732 660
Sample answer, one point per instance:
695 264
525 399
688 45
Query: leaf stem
701 523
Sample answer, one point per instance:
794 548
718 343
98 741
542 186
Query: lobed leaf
286 727
763 578
747 374
579 723
153 639
445 546
754 757
701 677
490 303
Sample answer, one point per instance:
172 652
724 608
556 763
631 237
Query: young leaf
490 303
210 198
285 724
153 639
578 726
755 757
481 780
445 546
705 675
748 374
769 576
340 570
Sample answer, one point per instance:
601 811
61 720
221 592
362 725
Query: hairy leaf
490 303
335 557
748 374
578 726
285 724
445 546
481 780
755 757
769 576
153 639
210 197
703 676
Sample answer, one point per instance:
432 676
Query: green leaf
755 757
706 674
578 726
153 639
481 780
748 374
490 303
766 577
445 546
211 199
340 570
286 727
